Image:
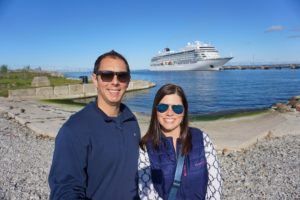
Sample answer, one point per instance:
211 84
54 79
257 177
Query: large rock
40 81
297 106
280 107
293 101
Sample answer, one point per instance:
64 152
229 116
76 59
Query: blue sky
71 34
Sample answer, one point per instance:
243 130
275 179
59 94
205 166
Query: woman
170 146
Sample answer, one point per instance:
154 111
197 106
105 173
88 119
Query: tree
3 69
26 68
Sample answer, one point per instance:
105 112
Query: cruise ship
194 56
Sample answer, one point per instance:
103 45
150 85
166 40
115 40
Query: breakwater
70 91
264 67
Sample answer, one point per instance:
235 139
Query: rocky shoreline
267 170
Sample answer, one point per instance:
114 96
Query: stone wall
70 91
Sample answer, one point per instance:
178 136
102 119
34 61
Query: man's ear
95 80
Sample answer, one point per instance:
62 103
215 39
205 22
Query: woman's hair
153 133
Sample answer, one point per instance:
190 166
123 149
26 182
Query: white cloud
274 28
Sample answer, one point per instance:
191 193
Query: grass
64 104
22 79
68 102
235 114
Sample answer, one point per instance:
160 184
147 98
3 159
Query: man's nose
115 80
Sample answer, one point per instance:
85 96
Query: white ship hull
203 65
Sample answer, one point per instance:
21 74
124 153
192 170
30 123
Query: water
221 91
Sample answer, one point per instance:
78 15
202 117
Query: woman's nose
170 111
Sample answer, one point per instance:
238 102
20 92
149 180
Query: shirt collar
124 114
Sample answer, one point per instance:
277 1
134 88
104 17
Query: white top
214 186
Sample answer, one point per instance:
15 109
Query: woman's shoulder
198 134
195 131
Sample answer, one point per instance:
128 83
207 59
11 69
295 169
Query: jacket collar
125 113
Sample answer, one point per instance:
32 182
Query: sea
216 92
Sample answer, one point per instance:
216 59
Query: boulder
40 81
297 106
293 101
280 107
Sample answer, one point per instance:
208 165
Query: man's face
110 93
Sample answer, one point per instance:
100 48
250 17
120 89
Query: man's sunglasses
108 76
178 109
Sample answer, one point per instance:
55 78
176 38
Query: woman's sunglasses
178 109
108 76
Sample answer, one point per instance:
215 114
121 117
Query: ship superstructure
194 56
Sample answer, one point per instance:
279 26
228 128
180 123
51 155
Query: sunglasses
108 76
178 109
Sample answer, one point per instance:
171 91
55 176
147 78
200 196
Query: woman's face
168 119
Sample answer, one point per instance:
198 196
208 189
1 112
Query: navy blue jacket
194 176
96 156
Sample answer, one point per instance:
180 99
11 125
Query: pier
262 67
70 91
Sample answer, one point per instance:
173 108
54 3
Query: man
96 150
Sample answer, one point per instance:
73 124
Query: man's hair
112 54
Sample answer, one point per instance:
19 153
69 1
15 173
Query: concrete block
61 90
22 93
89 89
44 92
76 89
40 81
139 84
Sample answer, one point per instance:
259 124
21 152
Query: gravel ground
268 170
25 160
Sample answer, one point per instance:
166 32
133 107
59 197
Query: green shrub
22 79
3 69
